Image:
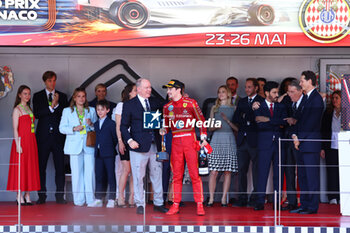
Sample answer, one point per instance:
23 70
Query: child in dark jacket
105 152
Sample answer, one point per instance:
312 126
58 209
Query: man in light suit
48 105
143 145
308 158
270 118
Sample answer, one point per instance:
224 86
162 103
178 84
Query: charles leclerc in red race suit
183 148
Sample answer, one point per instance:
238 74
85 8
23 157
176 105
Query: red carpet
54 214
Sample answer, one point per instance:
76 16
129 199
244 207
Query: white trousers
83 178
118 172
139 163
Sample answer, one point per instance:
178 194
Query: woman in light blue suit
76 121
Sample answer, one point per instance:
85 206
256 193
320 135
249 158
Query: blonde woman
76 121
224 155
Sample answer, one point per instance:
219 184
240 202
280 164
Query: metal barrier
146 220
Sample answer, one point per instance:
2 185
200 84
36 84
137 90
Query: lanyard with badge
81 120
50 99
31 118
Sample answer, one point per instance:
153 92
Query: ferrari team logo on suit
325 21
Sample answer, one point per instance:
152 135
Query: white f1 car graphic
135 14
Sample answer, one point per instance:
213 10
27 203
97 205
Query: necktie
294 107
148 108
271 109
250 100
50 98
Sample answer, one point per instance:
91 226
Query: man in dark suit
247 140
293 102
48 105
270 117
232 84
143 144
309 128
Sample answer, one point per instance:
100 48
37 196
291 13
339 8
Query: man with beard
246 139
270 117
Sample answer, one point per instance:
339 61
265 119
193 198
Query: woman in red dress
24 145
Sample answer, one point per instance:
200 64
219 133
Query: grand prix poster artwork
175 23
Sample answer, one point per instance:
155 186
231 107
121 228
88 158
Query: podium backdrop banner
175 23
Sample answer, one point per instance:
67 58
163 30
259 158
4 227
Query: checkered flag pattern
337 26
171 229
345 102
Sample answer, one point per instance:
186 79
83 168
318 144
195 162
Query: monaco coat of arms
325 21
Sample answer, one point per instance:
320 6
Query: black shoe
160 209
224 205
28 203
139 210
240 203
207 204
41 201
296 211
232 201
61 201
289 207
22 203
308 212
182 204
273 207
259 207
251 204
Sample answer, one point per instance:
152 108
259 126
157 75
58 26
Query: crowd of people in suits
249 134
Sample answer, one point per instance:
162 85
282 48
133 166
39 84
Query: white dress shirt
336 125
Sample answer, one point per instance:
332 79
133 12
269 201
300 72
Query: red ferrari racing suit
180 116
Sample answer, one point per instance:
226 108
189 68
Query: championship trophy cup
162 156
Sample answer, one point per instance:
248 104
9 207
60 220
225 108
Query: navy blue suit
132 117
105 152
309 127
268 134
50 140
145 155
112 105
290 153
246 145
